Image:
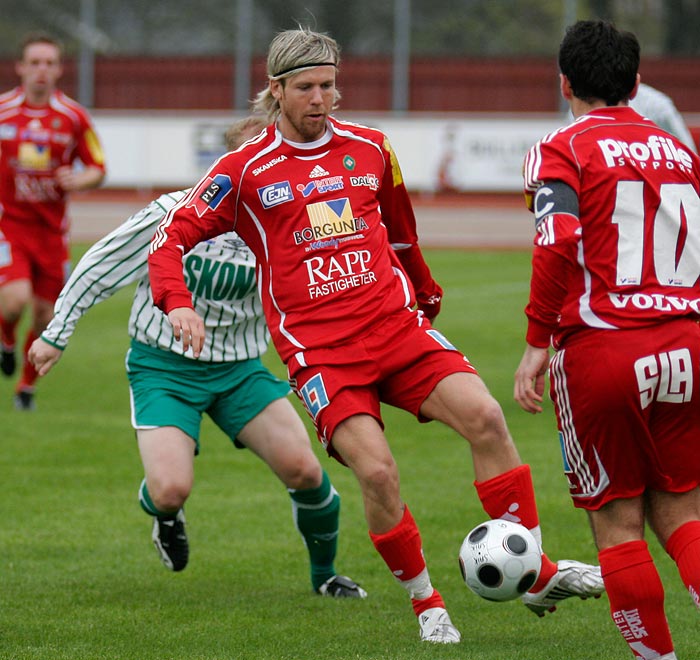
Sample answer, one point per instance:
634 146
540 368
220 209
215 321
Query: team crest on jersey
211 193
276 193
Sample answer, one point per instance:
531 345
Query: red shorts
399 363
628 411
35 254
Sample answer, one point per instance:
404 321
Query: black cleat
8 363
341 586
170 540
24 400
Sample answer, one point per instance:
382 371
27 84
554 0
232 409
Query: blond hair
243 129
290 53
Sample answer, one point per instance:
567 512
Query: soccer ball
500 560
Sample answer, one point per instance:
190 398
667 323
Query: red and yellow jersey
34 142
623 251
325 220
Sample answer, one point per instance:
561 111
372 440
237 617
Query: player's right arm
558 233
206 212
115 261
555 205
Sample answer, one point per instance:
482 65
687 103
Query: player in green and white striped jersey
228 382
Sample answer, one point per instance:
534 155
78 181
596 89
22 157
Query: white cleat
436 627
572 578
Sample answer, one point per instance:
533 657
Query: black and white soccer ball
500 560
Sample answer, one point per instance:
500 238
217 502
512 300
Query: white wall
476 152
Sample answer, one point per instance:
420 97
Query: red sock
636 598
423 604
29 374
7 332
401 549
684 547
511 496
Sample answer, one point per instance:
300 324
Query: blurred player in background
170 391
615 288
660 108
323 206
42 135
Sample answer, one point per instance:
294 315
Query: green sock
147 504
316 512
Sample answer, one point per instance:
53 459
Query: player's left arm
400 221
71 179
91 154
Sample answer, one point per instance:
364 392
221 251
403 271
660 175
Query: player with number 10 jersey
615 287
627 224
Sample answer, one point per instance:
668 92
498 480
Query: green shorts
170 390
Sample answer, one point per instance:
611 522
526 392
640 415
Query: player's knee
380 478
488 424
11 308
303 472
170 493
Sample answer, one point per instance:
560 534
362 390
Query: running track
458 221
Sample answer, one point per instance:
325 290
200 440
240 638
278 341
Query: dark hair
39 38
600 61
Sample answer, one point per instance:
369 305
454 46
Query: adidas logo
317 172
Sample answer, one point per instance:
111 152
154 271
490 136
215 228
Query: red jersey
629 255
325 220
34 142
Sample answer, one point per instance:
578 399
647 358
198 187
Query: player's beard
308 129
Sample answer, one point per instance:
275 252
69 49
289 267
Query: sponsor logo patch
276 193
328 221
333 217
370 181
211 193
321 185
655 153
8 131
34 157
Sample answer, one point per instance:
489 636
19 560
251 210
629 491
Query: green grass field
79 579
